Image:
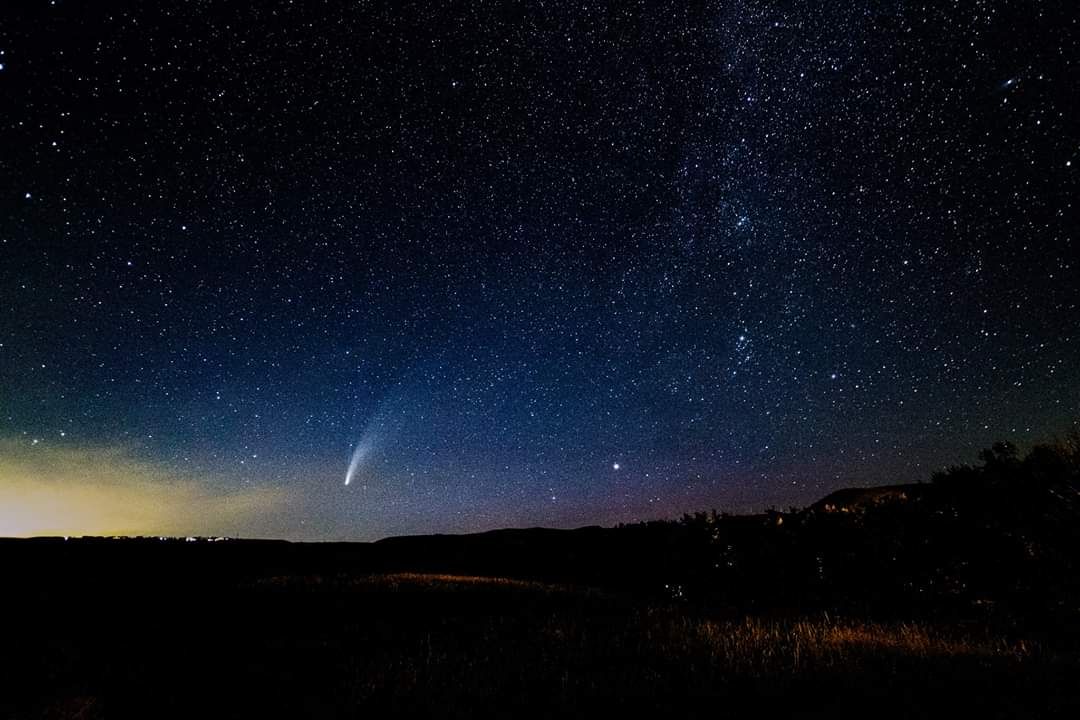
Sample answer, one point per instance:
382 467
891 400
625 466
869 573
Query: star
663 254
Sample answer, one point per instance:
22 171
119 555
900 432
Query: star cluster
548 263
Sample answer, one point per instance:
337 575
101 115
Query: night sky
523 264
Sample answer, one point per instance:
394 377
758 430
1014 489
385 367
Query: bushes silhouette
999 538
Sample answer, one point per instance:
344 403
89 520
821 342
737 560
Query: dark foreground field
118 636
957 598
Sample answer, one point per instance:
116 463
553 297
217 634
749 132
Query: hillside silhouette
858 604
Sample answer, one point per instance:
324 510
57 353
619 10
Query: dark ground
957 598
131 628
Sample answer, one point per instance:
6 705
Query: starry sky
523 263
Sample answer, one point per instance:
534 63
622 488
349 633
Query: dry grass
442 645
470 636
755 645
750 644
443 582
408 581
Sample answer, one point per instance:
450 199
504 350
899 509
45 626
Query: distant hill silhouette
1000 538
852 500
890 588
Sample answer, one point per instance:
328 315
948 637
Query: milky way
596 263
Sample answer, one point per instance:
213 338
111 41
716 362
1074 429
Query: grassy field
345 645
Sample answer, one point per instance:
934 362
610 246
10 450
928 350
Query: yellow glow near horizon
58 490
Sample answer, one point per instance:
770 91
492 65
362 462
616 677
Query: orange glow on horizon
105 491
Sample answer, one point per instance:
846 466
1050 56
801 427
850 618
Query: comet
362 450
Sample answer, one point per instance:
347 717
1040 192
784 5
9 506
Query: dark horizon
1056 441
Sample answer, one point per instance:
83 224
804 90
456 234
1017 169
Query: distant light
615 466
